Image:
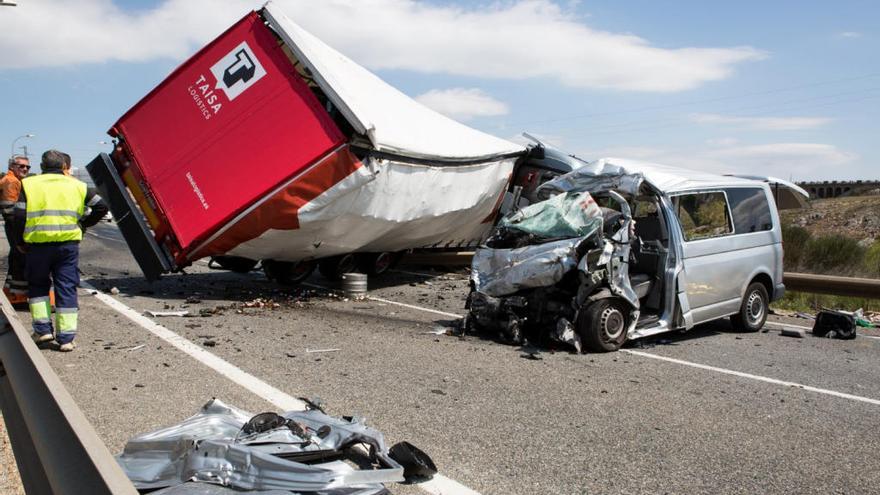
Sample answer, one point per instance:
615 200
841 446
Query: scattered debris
312 351
438 330
298 451
114 291
193 300
137 347
793 332
209 343
158 314
835 324
534 356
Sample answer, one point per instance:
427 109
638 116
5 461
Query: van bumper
778 292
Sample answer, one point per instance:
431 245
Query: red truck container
269 145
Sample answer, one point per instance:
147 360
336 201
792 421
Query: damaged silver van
621 250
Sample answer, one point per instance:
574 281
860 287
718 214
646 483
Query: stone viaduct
835 188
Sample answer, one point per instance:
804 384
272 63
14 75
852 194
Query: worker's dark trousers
16 282
47 264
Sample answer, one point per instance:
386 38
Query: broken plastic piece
417 465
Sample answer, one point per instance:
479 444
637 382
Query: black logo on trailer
243 69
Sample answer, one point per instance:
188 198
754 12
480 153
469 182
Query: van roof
668 178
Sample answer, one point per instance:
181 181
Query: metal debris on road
299 451
158 314
312 351
793 332
136 347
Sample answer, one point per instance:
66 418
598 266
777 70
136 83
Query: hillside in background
856 218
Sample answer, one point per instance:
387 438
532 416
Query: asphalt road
492 420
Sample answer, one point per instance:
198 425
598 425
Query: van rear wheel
602 326
753 311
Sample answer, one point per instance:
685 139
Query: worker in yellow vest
50 219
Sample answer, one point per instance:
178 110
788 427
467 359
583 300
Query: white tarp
391 206
393 122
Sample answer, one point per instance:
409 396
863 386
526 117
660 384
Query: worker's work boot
67 347
40 338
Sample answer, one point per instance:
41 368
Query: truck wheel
288 273
753 311
333 268
377 263
602 325
235 264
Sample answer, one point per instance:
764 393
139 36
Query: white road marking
387 301
754 377
225 368
427 310
439 485
429 275
99 236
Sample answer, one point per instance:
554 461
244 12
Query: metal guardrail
801 282
829 284
57 450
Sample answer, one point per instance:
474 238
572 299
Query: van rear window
702 215
750 210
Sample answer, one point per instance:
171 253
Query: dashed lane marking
439 485
754 377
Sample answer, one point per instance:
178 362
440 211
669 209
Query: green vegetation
810 303
872 260
795 240
828 254
832 255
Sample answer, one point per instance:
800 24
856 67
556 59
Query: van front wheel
602 326
753 311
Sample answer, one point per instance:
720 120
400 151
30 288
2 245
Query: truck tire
753 310
602 325
235 264
377 263
333 268
288 273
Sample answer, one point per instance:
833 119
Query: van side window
750 210
703 215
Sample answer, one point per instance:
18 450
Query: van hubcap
612 323
755 308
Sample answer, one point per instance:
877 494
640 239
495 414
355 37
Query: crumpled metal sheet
210 447
500 272
568 215
593 178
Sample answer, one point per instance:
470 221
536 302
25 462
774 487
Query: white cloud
511 40
849 34
463 103
724 141
762 123
798 160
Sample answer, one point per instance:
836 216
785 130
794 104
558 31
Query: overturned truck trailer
269 145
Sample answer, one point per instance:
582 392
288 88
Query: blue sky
784 88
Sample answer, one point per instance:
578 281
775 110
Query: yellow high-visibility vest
55 203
